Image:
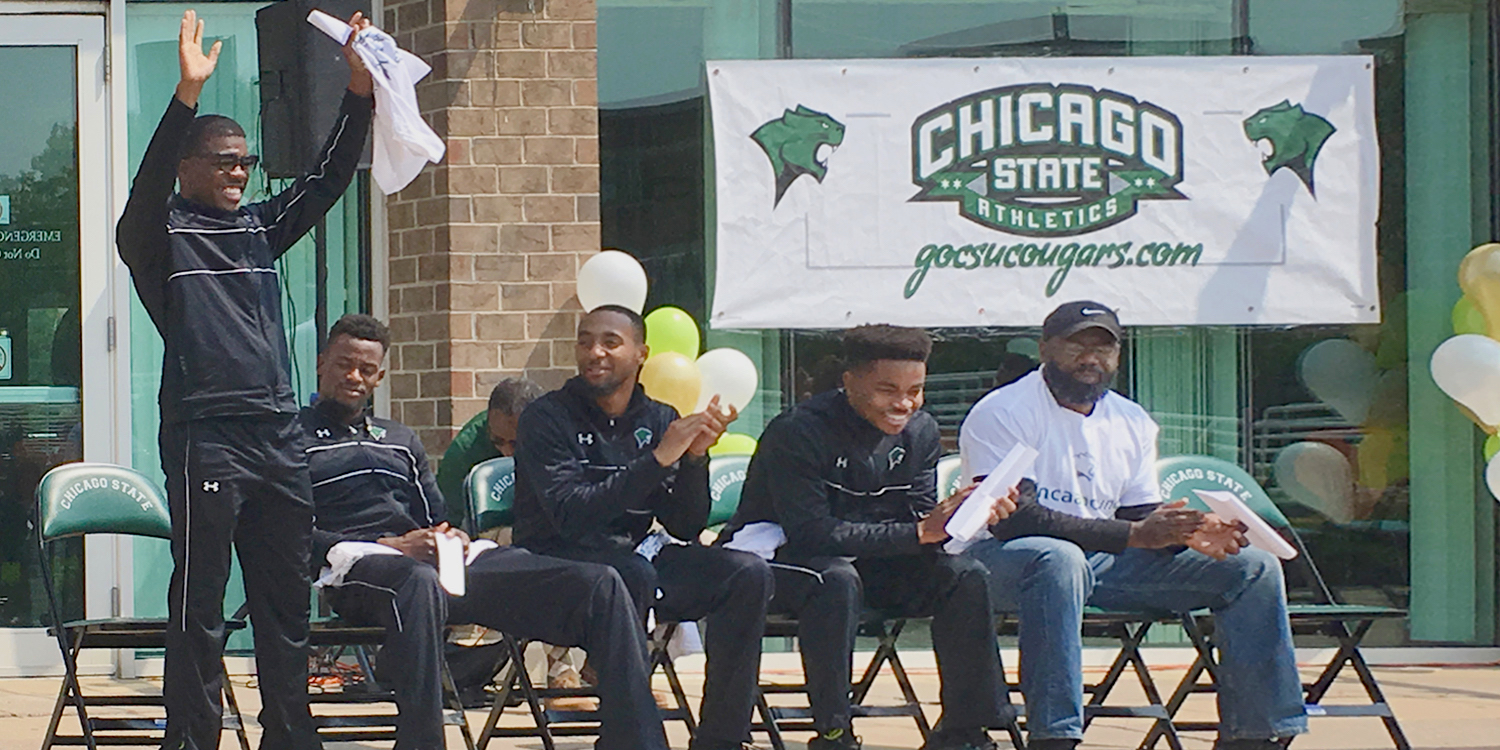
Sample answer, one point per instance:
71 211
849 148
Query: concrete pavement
1452 708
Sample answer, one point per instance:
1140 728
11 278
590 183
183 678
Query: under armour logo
842 463
585 438
210 486
324 432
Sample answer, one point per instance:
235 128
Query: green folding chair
490 490
726 479
950 476
1346 623
75 500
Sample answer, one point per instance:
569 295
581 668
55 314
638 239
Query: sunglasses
225 163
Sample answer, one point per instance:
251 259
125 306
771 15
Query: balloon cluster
1366 390
674 372
1467 366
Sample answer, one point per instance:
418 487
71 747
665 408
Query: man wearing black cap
1119 547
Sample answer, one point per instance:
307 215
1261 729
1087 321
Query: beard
1070 390
340 412
605 388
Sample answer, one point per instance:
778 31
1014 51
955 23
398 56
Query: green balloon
670 329
733 444
1491 446
1467 318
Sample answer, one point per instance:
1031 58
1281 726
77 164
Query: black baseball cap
1072 317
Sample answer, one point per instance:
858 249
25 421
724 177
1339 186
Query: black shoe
1247 745
1053 743
959 739
834 739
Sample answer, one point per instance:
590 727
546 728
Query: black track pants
529 596
825 594
240 481
726 589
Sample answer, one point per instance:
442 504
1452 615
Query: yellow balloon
672 379
1479 277
733 444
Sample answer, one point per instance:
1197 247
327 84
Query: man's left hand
1218 538
360 81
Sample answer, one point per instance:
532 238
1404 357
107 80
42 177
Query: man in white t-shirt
1101 536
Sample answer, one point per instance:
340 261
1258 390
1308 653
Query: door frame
106 382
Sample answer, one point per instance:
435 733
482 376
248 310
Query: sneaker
834 739
1053 743
1247 745
959 739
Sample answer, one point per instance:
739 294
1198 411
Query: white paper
329 25
450 559
1260 534
973 515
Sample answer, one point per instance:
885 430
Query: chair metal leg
234 708
451 694
70 683
528 691
660 658
769 719
511 662
1203 663
1349 654
63 691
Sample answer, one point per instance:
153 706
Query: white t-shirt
1089 465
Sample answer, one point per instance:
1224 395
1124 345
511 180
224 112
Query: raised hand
359 76
715 423
195 66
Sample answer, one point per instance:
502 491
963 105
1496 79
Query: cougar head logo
794 145
1295 135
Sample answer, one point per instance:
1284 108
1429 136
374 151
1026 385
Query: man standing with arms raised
597 462
230 447
1098 534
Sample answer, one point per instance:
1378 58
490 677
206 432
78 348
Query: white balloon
1467 368
730 375
612 278
1341 374
1317 475
1492 476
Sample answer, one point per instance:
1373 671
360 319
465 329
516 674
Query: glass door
55 310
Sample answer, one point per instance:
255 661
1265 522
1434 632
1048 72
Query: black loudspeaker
302 80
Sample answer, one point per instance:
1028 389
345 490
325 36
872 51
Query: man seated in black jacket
597 462
371 484
850 477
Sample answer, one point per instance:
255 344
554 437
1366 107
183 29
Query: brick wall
484 248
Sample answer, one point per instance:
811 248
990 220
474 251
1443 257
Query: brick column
485 247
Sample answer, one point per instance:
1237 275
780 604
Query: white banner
1181 190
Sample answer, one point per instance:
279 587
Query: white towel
761 538
403 141
342 557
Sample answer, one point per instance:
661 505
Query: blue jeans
1048 581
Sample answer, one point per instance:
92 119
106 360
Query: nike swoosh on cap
1092 311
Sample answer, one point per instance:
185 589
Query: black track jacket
207 277
585 480
370 480
837 484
